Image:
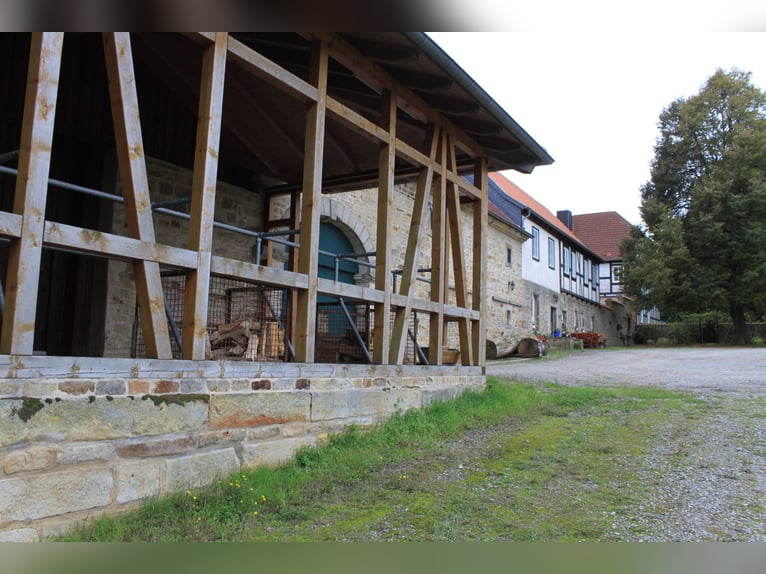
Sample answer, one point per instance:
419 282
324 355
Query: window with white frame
565 262
535 244
551 253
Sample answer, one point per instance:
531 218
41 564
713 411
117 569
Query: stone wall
234 206
75 445
355 212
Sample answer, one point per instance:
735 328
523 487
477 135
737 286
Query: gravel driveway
708 472
693 369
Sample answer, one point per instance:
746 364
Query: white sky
592 98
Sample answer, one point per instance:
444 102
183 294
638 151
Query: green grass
515 462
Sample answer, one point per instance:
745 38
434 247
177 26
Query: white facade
537 265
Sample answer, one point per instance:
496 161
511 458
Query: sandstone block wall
74 448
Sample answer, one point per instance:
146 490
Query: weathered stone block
274 452
38 388
77 387
54 493
30 458
191 386
112 388
10 388
257 409
438 394
222 436
138 387
165 387
155 446
403 399
200 469
138 480
92 419
348 403
331 384
20 535
73 453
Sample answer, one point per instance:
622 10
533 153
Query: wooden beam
10 224
24 256
203 198
276 75
458 259
135 189
383 278
439 278
270 276
480 224
308 257
44 368
73 238
407 285
375 76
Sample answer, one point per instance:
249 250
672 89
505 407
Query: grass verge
515 462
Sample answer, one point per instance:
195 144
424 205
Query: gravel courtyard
709 473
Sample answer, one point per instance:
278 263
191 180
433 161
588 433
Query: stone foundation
84 437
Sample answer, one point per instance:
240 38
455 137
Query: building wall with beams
86 429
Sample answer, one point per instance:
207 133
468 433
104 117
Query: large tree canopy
703 245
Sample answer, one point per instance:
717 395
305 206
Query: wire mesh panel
245 321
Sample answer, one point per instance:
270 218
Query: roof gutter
453 69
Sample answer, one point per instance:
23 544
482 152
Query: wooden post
383 279
409 271
25 252
458 261
135 189
438 259
480 223
203 198
308 257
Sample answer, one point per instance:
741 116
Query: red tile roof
602 232
537 208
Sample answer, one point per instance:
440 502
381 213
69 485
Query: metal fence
247 322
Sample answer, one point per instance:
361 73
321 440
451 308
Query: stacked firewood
246 339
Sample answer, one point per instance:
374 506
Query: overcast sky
592 99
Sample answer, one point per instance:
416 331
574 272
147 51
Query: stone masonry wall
506 319
74 446
234 206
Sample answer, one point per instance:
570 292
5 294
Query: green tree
703 244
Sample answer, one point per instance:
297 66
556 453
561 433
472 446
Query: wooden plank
480 224
25 252
438 259
272 72
348 291
409 270
51 368
357 121
101 243
204 180
458 259
383 279
270 276
10 224
308 255
135 188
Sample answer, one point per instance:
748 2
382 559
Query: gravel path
708 473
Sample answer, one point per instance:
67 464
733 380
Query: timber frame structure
421 131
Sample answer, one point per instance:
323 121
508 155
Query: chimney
566 218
